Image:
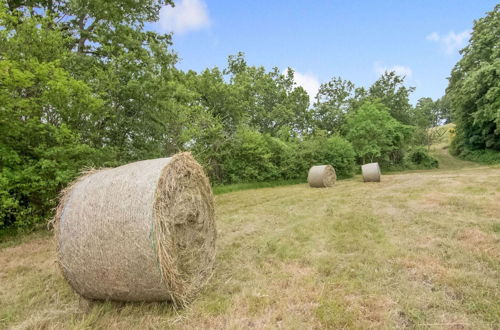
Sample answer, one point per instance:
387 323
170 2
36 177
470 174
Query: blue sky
354 39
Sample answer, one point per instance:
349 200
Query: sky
356 39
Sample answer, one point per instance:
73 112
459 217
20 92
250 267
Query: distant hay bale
139 232
371 172
321 176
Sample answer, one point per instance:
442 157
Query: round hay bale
371 172
139 232
321 176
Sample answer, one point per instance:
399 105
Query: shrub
283 157
248 158
251 156
334 150
418 157
30 182
486 156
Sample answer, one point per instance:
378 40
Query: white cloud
308 81
401 70
434 36
187 15
452 42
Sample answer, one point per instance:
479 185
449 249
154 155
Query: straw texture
371 172
139 232
321 176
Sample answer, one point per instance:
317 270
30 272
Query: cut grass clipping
140 232
321 176
371 172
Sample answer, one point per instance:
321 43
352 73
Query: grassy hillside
419 249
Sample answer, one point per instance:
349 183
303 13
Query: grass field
418 250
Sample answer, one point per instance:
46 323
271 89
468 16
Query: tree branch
81 27
84 32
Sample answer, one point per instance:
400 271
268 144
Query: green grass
224 189
447 161
418 250
11 237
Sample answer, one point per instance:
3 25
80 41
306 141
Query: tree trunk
81 41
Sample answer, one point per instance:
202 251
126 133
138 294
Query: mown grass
224 189
418 250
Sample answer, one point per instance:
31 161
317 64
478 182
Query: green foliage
376 135
255 157
41 107
268 101
474 88
487 156
335 150
444 110
392 92
248 158
426 113
333 101
427 116
418 157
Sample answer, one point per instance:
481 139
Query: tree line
84 85
474 93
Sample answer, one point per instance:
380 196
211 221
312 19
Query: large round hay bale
321 176
371 172
139 232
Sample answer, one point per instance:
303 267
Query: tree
271 101
132 71
95 27
427 117
46 120
375 134
333 102
426 113
474 88
392 92
444 110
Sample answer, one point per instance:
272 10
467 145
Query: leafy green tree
392 92
270 100
444 110
375 134
132 71
46 120
333 102
426 113
427 117
474 88
96 27
218 97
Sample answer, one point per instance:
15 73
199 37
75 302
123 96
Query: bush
251 156
333 150
248 158
486 156
282 157
418 157
30 182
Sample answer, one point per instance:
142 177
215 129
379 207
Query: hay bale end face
321 176
139 232
371 172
